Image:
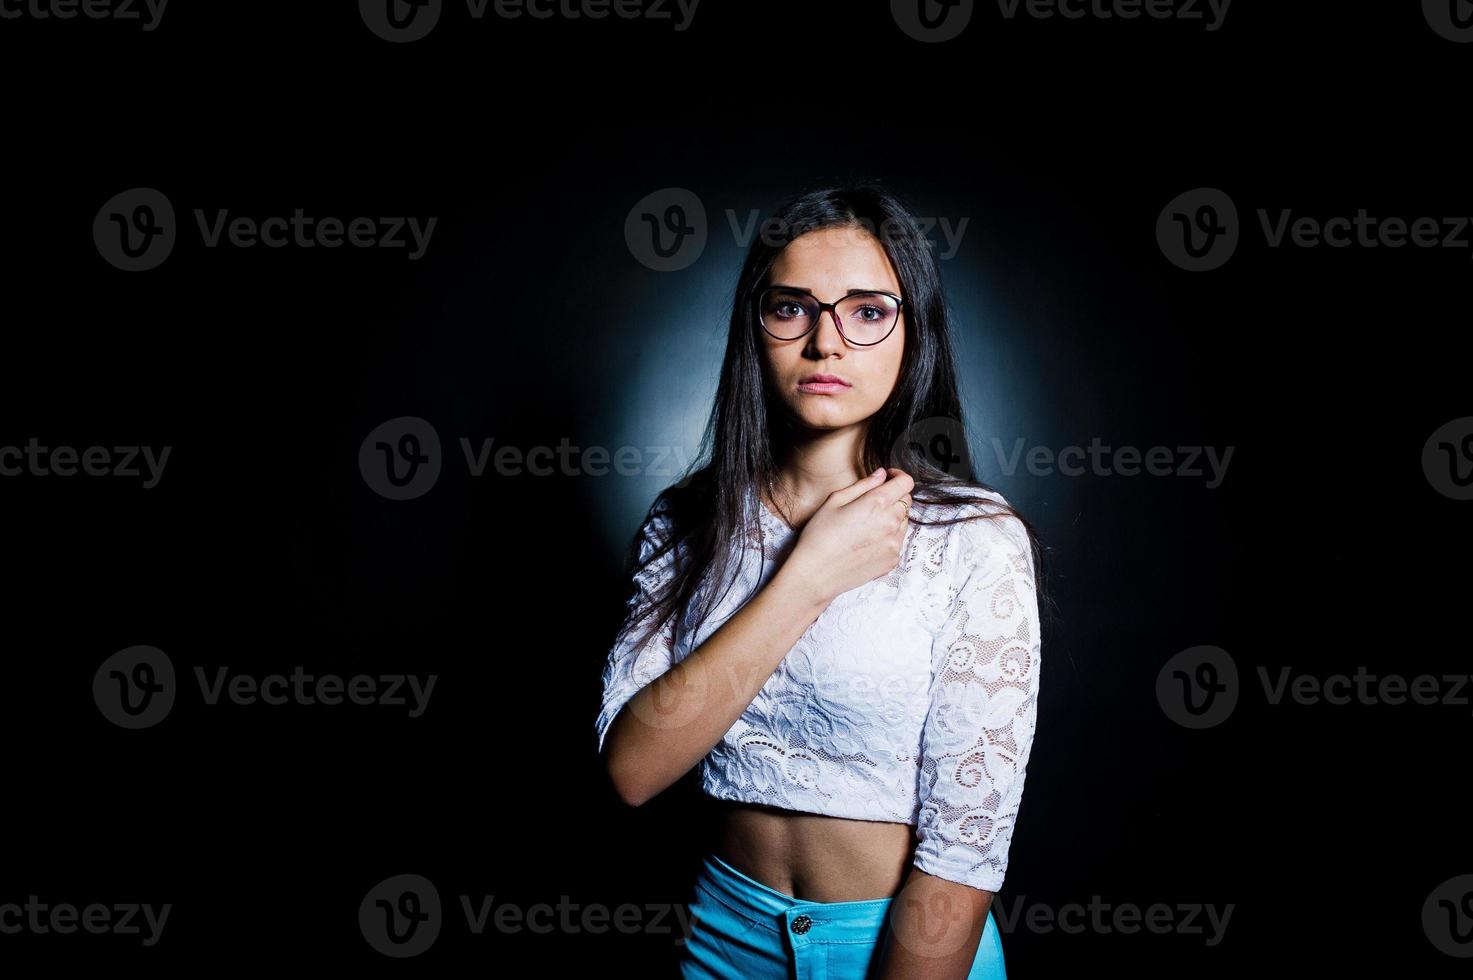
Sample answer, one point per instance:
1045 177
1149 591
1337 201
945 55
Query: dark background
1326 548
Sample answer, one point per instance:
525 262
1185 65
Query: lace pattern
911 699
631 665
979 726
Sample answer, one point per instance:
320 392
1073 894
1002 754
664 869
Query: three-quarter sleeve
983 705
632 663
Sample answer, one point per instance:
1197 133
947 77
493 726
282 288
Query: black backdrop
1336 833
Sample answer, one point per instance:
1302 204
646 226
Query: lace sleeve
632 664
984 702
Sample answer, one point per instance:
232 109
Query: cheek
782 364
884 375
771 361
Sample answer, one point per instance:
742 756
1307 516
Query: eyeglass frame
831 308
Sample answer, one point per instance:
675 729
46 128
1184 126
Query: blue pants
741 928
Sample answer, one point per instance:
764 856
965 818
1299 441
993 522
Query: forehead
835 260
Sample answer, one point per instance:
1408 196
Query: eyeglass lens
864 318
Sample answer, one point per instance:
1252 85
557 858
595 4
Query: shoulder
987 530
658 544
657 527
661 513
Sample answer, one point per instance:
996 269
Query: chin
827 419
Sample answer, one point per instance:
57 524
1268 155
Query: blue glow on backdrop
662 369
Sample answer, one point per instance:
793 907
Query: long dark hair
708 506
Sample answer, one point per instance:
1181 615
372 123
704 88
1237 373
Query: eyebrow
805 289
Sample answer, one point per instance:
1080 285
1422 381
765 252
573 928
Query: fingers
860 487
901 527
905 483
896 486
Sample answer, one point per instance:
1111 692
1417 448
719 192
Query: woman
859 683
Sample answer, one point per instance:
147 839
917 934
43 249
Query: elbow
629 790
631 797
636 778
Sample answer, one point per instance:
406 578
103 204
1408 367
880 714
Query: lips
823 379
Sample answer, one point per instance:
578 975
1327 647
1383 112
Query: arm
976 742
659 718
669 725
935 927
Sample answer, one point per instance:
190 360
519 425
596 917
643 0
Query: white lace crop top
911 699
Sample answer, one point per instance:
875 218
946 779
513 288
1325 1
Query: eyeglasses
863 318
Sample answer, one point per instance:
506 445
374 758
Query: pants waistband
851 922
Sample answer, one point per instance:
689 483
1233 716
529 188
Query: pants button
801 924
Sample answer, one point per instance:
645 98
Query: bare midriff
815 858
809 856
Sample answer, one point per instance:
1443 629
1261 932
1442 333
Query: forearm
670 724
934 929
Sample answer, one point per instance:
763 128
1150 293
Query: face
829 263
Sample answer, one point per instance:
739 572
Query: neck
820 464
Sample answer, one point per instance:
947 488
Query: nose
826 336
